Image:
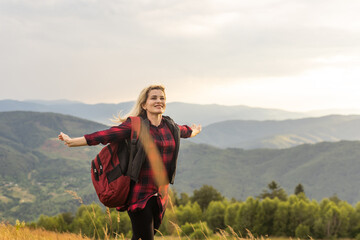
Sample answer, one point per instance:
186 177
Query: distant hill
183 113
324 112
280 134
324 169
101 113
36 169
186 113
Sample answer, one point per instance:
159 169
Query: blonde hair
137 109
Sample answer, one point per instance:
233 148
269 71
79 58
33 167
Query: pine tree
275 191
299 189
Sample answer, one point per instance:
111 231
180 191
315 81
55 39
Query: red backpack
108 169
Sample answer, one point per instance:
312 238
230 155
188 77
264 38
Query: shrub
302 231
197 234
193 230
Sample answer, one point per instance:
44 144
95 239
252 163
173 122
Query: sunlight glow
317 89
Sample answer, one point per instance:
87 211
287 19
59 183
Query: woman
148 200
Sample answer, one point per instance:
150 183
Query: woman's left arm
186 131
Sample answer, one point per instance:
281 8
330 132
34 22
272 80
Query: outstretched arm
196 129
72 142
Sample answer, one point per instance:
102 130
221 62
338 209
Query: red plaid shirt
145 188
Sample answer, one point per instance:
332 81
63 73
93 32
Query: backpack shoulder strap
135 129
134 137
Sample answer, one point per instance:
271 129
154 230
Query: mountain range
183 113
224 126
280 134
37 169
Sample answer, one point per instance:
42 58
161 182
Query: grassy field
21 232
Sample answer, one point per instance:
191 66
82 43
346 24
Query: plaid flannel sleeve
185 131
112 134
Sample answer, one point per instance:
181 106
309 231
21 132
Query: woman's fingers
196 127
63 137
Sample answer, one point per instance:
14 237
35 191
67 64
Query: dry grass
20 232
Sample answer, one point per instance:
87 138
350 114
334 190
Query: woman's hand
65 138
72 142
196 129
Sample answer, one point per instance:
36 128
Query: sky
292 55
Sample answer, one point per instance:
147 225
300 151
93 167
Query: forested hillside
37 169
280 134
324 169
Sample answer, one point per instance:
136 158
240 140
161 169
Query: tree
68 217
119 224
49 223
281 219
205 195
265 216
330 219
299 189
89 220
355 222
346 213
184 199
334 198
275 191
215 215
230 214
302 231
246 215
190 213
167 226
301 211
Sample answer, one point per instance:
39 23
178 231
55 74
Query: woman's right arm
104 137
72 142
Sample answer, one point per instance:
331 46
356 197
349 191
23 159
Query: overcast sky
293 55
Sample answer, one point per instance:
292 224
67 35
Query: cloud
77 47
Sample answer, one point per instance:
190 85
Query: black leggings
144 222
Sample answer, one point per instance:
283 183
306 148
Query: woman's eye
156 98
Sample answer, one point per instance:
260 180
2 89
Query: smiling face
155 102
